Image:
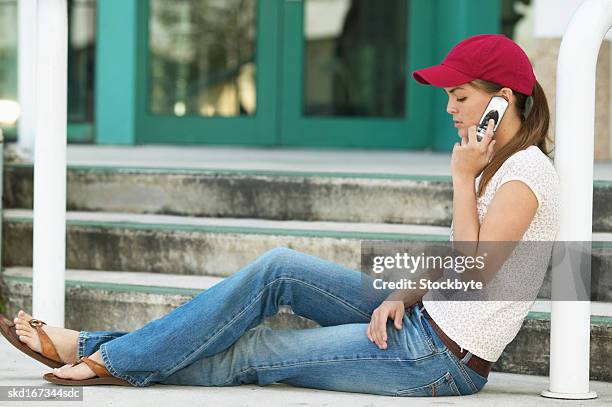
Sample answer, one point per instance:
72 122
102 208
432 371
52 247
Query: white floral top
486 327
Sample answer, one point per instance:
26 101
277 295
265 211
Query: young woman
437 348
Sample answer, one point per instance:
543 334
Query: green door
325 73
208 72
346 73
317 73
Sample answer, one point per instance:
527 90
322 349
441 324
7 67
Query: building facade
312 73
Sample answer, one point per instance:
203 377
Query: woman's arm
508 217
467 161
466 227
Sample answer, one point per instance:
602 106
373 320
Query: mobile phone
495 110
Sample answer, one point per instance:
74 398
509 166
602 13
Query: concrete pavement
503 389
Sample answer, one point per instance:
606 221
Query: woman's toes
26 333
24 315
22 327
21 323
21 332
61 371
27 340
64 340
78 372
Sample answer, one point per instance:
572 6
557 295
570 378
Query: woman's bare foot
80 371
65 340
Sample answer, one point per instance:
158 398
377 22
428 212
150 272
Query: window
81 60
202 57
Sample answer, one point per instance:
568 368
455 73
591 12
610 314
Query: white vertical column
574 155
49 253
26 74
1 181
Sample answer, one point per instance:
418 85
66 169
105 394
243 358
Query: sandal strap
95 367
48 348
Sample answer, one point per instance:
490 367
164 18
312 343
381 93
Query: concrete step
343 197
221 246
127 300
202 246
282 194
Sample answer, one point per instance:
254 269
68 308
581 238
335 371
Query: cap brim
441 76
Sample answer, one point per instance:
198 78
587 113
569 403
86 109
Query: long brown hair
533 130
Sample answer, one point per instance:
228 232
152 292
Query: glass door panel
81 61
202 58
355 58
208 72
345 70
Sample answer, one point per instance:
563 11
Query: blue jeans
214 339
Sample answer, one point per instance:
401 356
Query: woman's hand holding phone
469 158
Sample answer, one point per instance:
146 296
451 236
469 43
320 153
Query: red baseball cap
490 57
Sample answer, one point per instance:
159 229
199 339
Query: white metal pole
26 76
574 155
1 186
49 252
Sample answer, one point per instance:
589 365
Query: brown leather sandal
103 376
48 356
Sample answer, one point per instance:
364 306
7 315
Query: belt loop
467 357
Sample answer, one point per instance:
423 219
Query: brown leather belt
479 365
